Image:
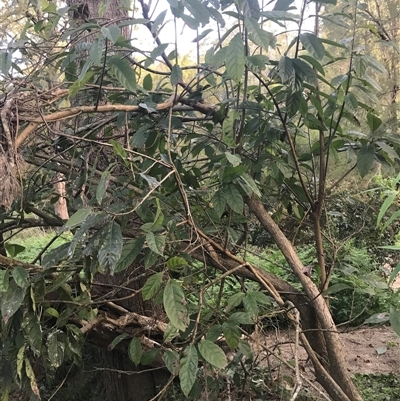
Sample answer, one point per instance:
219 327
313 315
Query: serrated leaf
176 75
212 353
171 359
258 36
152 286
117 340
313 45
135 351
175 305
304 71
11 300
156 242
150 356
394 318
129 253
365 159
123 72
20 276
111 247
234 198
240 318
250 304
150 258
235 58
188 369
103 185
4 280
214 332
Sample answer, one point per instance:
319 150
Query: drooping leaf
374 122
135 351
286 69
56 349
158 21
385 205
365 159
103 185
96 50
219 202
313 45
231 334
12 300
150 356
21 277
148 82
171 359
335 288
212 353
188 369
198 10
4 280
77 218
250 304
283 5
13 249
234 198
33 331
176 75
293 102
123 72
156 242
235 58
111 247
175 305
394 318
112 33
32 379
395 272
258 36
152 286
129 253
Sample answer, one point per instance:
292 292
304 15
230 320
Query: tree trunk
120 379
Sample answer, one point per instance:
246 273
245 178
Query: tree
165 183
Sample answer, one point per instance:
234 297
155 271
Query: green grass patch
34 241
378 387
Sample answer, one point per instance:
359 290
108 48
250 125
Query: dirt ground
369 350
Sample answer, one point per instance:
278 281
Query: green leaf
176 75
198 10
156 242
283 5
32 331
171 359
392 195
4 280
251 305
152 286
77 218
394 318
235 58
176 262
235 160
314 63
219 202
21 277
240 318
188 369
234 198
360 65
365 159
96 51
135 351
5 62
231 334
112 33
123 72
111 247
395 272
212 354
313 45
150 356
11 300
13 249
129 253
51 312
335 288
55 349
293 101
119 149
102 187
374 122
258 36
175 305
286 69
235 300
117 340
148 82
150 258
158 21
